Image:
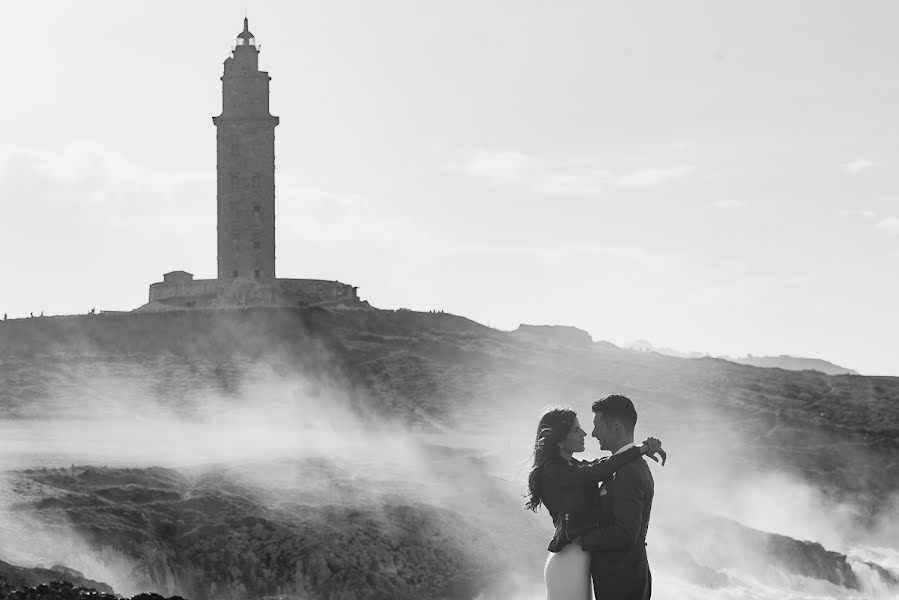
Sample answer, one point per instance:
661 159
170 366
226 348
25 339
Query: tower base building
179 290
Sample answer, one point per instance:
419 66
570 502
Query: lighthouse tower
245 206
246 168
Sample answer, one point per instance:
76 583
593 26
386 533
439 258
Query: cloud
630 256
571 176
580 161
889 225
729 204
857 166
504 166
572 255
95 183
740 292
576 185
644 177
868 214
329 219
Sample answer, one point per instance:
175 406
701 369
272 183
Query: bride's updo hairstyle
553 428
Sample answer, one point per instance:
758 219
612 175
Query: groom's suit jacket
618 546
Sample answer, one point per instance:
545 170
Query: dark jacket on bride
568 491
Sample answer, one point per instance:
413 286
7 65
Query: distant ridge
647 346
793 363
784 361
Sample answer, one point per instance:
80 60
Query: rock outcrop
13 577
560 334
216 535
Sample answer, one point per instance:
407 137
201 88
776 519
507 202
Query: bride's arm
560 474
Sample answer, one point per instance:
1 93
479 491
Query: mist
284 436
290 438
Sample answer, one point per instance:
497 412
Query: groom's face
604 432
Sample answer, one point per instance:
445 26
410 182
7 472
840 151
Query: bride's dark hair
553 428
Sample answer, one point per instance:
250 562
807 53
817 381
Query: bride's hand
652 446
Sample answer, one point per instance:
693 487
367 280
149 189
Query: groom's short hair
619 408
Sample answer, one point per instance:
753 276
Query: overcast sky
708 176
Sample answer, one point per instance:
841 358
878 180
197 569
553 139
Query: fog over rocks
221 537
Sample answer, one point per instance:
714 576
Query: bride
567 488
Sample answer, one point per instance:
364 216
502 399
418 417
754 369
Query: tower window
234 147
257 209
256 274
234 273
257 245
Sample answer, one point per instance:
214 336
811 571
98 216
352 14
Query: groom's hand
652 446
663 454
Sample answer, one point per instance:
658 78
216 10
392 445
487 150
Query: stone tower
245 168
246 209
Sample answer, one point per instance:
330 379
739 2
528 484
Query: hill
394 425
432 371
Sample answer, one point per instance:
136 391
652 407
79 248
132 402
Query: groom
618 562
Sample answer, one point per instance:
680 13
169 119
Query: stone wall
210 293
316 291
187 290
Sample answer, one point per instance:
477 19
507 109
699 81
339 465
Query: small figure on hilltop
600 530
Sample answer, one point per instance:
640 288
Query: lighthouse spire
245 38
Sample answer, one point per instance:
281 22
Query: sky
714 177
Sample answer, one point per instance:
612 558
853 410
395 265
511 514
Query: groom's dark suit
618 564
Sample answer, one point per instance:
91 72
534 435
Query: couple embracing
600 509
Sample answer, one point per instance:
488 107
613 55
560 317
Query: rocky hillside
447 523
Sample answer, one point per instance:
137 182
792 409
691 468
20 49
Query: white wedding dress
567 574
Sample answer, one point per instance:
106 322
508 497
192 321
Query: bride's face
574 441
